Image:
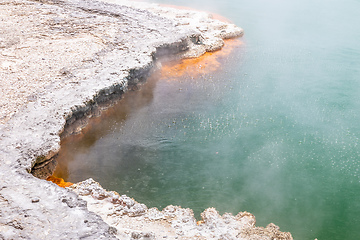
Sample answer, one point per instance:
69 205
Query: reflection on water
115 117
109 121
273 131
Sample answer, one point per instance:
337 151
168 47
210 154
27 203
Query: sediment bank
62 62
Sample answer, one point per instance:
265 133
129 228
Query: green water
275 132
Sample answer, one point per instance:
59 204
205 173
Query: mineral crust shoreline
61 62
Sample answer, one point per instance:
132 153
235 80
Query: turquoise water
275 132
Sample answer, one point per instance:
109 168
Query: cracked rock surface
61 62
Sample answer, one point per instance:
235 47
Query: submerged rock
62 62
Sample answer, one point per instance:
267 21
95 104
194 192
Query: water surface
274 132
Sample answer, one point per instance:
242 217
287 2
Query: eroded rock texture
134 220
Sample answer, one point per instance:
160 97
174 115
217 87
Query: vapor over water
275 131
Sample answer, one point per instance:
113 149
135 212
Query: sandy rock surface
61 62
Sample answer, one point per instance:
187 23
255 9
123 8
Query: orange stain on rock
200 222
59 181
207 63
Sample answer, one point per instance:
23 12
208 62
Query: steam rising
273 130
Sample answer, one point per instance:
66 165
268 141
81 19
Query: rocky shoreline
62 62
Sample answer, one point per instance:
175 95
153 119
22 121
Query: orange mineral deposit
59 181
194 67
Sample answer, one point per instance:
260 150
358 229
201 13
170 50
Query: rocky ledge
62 62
